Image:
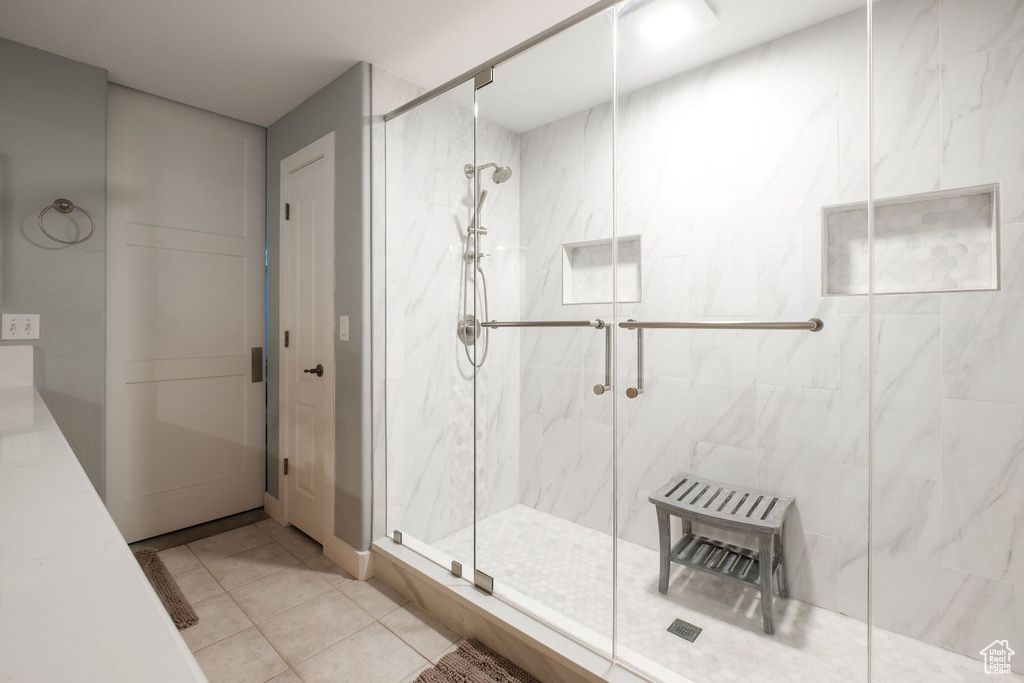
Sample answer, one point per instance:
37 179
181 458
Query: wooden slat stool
695 499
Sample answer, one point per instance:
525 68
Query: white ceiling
255 60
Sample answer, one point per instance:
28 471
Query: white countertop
74 604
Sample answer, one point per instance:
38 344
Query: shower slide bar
596 324
812 325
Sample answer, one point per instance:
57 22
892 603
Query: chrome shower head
500 175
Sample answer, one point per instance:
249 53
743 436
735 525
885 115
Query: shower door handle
607 386
633 392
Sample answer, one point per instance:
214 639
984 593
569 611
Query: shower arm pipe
812 325
597 324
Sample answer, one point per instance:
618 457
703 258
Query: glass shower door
947 382
735 549
542 252
429 369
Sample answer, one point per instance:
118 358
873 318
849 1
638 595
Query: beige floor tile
198 585
219 618
273 594
372 655
373 596
287 677
304 630
228 543
424 633
328 571
297 543
415 674
178 560
245 657
249 565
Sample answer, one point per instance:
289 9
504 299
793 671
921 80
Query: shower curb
544 652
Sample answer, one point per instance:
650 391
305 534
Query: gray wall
53 143
343 106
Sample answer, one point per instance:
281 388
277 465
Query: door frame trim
321 148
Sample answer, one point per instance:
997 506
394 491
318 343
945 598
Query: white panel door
307 318
185 307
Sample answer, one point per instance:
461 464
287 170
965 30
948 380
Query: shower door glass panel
544 446
734 129
429 371
947 381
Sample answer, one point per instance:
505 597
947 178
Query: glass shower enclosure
703 336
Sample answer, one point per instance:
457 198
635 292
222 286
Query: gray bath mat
166 587
474 662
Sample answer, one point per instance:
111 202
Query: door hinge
286 338
286 465
287 211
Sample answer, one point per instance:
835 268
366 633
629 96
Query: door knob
318 370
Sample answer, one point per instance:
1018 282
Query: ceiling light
662 23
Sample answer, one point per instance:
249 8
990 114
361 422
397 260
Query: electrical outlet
343 328
19 326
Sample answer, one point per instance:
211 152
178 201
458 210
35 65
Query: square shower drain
685 630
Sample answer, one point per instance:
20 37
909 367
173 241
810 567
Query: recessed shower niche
931 242
587 271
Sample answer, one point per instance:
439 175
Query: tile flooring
272 607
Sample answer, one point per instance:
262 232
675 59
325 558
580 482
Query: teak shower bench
695 499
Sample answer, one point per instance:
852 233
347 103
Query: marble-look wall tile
983 488
795 171
911 172
430 368
982 126
905 37
977 610
427 489
853 389
970 27
727 464
723 254
813 568
906 395
853 542
797 451
797 67
852 105
906 543
982 357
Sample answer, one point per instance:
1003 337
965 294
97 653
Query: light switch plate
19 326
343 328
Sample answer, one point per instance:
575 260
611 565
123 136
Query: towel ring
66 206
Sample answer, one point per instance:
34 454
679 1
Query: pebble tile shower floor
272 607
568 568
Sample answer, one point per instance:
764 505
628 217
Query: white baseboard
272 506
355 562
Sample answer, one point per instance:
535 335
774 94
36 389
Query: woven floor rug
473 662
167 588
